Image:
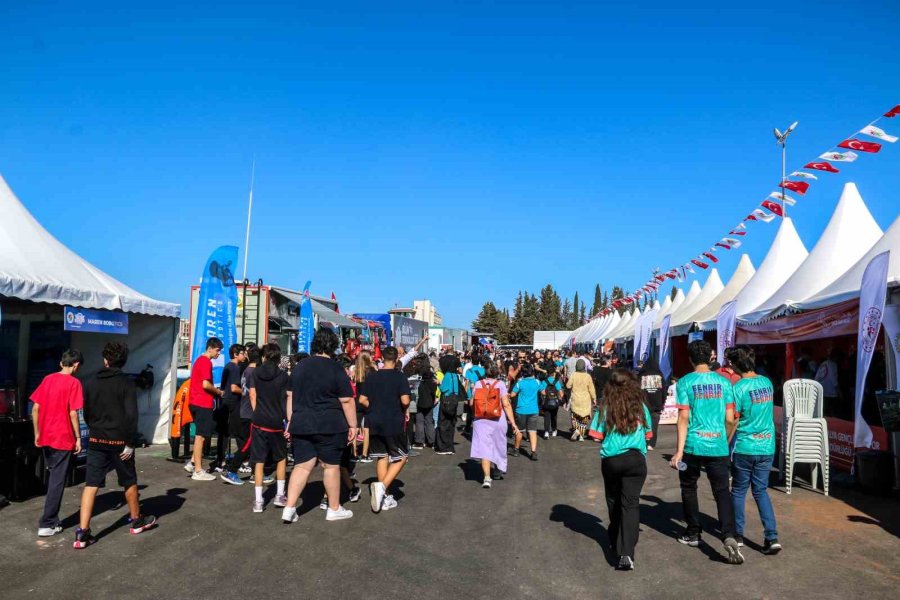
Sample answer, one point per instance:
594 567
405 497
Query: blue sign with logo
95 321
217 310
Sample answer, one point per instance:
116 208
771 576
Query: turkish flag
893 112
821 166
711 256
700 263
796 186
672 274
773 206
735 232
855 144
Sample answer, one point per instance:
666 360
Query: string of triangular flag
798 182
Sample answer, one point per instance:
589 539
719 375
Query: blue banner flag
217 308
306 329
95 321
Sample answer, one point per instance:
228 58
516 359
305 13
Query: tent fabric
626 327
785 255
850 233
37 267
685 306
589 330
712 288
673 306
614 319
846 287
742 274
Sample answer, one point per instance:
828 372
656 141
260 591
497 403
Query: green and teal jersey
615 443
705 395
753 405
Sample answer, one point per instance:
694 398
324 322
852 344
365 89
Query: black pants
57 461
654 418
623 478
717 473
222 417
240 430
470 419
424 426
446 429
550 419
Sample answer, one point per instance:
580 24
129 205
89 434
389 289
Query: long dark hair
624 402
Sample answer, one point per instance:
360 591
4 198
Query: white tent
742 274
685 306
601 323
786 253
625 325
846 287
35 267
850 233
614 319
673 306
685 317
585 331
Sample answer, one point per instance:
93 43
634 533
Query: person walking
624 427
57 432
654 394
269 397
365 366
425 401
705 421
582 399
202 399
526 391
754 448
551 399
452 393
489 435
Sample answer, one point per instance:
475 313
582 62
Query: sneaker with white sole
245 469
554 433
259 506
388 503
189 466
289 515
734 551
323 505
280 500
142 524
49 531
203 476
355 493
338 515
232 478
268 479
486 484
376 491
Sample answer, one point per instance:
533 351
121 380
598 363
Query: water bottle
681 465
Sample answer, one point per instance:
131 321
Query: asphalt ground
539 533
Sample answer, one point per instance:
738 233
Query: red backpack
486 401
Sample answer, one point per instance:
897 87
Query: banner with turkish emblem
855 144
872 296
879 133
839 156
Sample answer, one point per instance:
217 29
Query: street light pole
781 139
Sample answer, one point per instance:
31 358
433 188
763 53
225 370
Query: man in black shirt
228 407
385 394
269 397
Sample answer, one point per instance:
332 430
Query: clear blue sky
458 151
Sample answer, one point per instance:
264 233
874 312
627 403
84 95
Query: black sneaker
689 540
740 540
496 475
625 564
83 538
142 524
771 547
418 446
533 456
355 493
514 452
734 552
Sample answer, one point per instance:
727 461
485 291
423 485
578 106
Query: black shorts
264 444
327 447
393 447
235 427
203 421
527 422
102 458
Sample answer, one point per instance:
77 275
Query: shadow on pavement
586 524
664 517
471 470
112 500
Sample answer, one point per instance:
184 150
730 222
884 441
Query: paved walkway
538 534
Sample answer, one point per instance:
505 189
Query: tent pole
249 212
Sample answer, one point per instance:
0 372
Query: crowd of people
334 411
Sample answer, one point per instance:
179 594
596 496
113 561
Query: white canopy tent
673 306
742 274
585 331
685 306
785 255
614 319
600 323
624 326
850 233
37 271
685 317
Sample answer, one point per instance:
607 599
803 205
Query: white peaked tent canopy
673 306
786 253
35 266
626 325
593 336
631 333
685 307
846 287
742 274
850 233
614 319
712 288
585 331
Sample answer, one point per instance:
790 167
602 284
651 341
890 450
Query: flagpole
783 176
249 212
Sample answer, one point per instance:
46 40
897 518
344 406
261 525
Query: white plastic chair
804 433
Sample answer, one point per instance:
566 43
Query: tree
550 309
618 293
576 306
517 327
488 320
582 317
673 293
565 316
598 300
605 300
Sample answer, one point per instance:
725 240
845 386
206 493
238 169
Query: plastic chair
807 442
803 399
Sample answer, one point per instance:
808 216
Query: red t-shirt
57 396
200 372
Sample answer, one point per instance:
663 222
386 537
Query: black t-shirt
601 376
271 384
317 383
231 375
383 390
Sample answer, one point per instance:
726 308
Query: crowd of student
337 410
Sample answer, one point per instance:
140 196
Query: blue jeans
752 470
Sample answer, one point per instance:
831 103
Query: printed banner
665 348
408 332
217 307
871 310
95 321
830 321
891 323
645 324
306 329
725 325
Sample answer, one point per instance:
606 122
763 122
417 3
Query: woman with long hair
624 426
365 364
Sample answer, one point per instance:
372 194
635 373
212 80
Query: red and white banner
773 206
879 133
800 187
821 166
839 156
855 144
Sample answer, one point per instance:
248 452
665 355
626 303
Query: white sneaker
289 515
388 503
203 476
49 531
189 466
324 504
546 436
554 433
339 515
259 506
376 492
487 483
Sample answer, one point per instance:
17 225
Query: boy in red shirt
202 401
57 432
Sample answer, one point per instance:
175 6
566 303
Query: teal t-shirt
555 383
615 443
527 399
753 398
705 395
473 375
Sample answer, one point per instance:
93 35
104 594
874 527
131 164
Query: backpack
551 395
450 401
486 401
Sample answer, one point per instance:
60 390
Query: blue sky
458 151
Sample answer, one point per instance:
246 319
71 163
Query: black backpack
551 395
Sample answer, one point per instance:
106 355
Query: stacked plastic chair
804 432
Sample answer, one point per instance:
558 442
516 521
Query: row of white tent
790 279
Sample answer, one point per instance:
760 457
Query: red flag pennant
711 256
893 112
737 232
821 166
773 206
796 186
855 144
687 267
700 263
721 245
672 274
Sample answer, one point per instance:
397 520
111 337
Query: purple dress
489 437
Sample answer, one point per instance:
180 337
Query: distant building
425 311
409 313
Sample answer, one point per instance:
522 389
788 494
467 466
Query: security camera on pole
781 138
